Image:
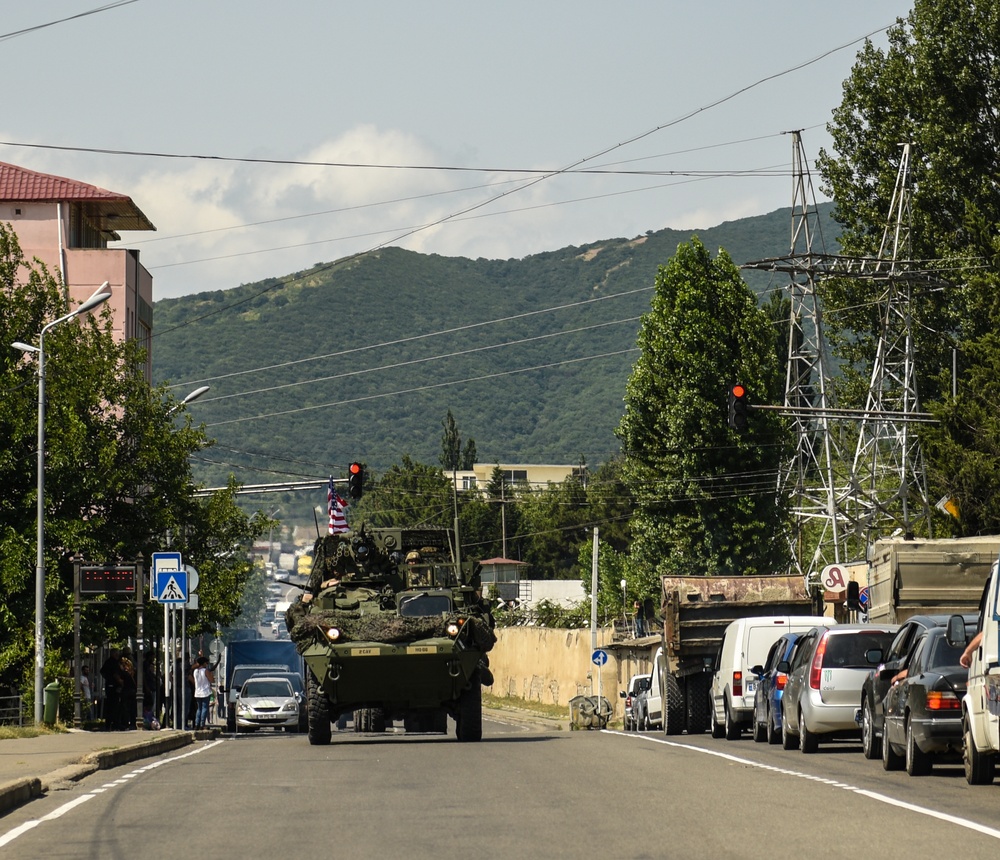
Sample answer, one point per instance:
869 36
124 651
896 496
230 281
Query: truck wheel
978 767
699 703
469 715
360 720
319 713
871 744
376 720
918 763
733 729
673 706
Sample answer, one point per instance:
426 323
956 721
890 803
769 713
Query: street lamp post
194 395
101 296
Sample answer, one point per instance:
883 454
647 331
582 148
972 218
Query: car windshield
267 689
848 650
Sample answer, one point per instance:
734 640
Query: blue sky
481 92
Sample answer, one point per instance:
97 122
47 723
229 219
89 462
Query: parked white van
745 644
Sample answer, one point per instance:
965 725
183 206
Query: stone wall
552 666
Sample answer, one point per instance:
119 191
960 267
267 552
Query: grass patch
12 732
559 712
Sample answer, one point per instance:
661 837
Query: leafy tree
705 494
117 474
409 494
453 455
935 86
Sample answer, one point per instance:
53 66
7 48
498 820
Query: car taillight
816 670
946 701
628 701
780 680
737 683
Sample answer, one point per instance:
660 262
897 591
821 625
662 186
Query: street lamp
194 395
101 296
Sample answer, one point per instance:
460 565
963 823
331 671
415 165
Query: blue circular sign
599 657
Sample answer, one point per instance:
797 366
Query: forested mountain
362 359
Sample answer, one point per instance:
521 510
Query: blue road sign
169 578
599 657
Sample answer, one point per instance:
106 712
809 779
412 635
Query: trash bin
50 709
589 712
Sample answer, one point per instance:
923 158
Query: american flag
336 506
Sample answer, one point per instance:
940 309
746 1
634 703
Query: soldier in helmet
415 575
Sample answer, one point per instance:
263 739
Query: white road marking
20 830
872 795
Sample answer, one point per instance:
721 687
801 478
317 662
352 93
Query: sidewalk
29 767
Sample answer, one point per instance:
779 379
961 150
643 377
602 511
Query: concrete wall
553 666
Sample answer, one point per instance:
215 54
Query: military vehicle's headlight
333 634
454 627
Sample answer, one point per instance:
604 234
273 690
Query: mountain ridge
362 358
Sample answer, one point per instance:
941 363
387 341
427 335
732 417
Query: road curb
19 791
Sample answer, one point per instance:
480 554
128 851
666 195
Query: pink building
67 225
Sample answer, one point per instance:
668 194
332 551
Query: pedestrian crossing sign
170 579
171 586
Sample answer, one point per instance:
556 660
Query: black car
893 660
923 710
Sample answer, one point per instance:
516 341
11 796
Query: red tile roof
113 211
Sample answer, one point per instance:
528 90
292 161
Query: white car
266 702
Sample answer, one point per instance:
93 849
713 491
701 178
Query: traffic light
355 477
739 408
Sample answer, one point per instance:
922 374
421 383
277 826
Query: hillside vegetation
362 359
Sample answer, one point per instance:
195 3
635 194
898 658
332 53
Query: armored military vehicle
392 628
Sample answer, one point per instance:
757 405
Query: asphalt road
524 792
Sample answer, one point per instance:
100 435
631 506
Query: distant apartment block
533 475
67 225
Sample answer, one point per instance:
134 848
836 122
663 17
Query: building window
516 476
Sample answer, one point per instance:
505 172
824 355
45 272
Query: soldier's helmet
412 557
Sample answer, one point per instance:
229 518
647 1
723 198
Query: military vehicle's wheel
359 721
376 717
469 715
672 704
439 722
319 729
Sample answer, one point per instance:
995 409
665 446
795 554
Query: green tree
117 473
453 454
705 494
408 495
935 86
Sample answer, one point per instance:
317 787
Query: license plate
751 687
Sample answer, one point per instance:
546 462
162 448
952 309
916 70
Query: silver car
826 672
266 702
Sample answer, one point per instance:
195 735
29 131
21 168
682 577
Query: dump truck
943 576
393 627
696 611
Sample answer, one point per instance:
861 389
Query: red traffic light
739 407
355 480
